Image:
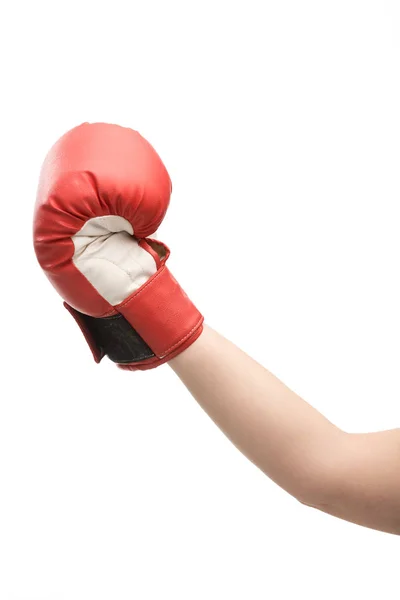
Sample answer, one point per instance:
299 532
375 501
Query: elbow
313 503
314 474
316 493
319 482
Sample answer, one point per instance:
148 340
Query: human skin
352 476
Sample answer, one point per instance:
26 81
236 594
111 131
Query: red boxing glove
102 191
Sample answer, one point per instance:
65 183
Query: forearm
355 477
277 430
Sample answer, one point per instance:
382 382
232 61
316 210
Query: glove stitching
141 289
135 295
185 337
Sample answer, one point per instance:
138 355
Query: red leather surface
162 314
94 170
97 170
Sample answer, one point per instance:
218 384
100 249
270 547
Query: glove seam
141 289
185 337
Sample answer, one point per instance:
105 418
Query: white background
279 123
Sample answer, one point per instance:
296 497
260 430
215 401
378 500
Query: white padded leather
108 255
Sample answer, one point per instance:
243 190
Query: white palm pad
108 255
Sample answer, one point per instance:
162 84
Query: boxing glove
103 190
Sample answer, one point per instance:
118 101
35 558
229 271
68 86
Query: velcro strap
113 337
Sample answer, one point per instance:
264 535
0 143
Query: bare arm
353 476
